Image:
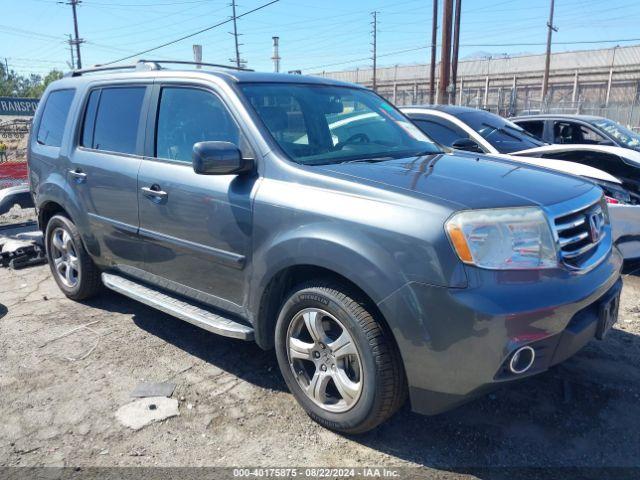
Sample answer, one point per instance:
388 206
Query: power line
191 34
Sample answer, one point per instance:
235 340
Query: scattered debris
23 257
148 389
21 245
144 411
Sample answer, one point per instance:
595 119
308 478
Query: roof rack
148 65
185 62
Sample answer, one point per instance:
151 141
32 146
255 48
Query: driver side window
187 116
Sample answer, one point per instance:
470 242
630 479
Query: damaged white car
479 131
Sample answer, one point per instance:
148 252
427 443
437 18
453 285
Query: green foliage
14 84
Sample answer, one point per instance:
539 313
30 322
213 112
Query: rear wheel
338 360
72 268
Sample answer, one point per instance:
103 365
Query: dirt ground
59 395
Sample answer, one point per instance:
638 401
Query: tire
71 266
367 384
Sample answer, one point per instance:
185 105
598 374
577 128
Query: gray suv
312 217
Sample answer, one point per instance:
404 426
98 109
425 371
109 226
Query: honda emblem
595 223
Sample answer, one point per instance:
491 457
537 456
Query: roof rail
140 65
185 62
147 65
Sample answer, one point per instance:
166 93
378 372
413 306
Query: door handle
78 174
154 192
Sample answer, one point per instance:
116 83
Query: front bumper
455 342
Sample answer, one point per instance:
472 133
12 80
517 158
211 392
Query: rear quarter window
54 117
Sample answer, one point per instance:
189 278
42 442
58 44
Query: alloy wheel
64 257
324 360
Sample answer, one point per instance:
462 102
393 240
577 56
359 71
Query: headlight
503 239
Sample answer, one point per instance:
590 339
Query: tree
13 84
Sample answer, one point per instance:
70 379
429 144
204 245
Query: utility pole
609 83
374 44
77 41
445 52
276 54
456 49
547 62
73 60
432 65
238 61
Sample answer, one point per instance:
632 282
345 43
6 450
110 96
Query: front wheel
338 360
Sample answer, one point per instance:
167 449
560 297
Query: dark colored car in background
375 263
579 129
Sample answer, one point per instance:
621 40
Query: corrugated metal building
605 81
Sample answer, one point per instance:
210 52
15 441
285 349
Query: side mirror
466 144
219 158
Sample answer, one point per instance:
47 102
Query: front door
104 170
197 228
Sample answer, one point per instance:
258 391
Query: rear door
105 168
197 228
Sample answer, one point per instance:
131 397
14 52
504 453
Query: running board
178 308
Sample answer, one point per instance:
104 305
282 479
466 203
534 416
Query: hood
464 180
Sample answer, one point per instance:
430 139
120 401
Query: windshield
319 124
504 136
622 134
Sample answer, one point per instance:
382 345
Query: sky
315 36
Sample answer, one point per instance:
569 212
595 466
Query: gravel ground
59 395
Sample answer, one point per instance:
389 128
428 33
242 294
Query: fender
349 252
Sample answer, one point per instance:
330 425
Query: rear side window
117 117
534 127
54 117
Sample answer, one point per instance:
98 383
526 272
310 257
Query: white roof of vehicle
627 153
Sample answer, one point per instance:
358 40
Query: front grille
579 233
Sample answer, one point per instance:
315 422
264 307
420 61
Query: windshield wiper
395 157
370 159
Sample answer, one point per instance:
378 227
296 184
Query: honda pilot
312 217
